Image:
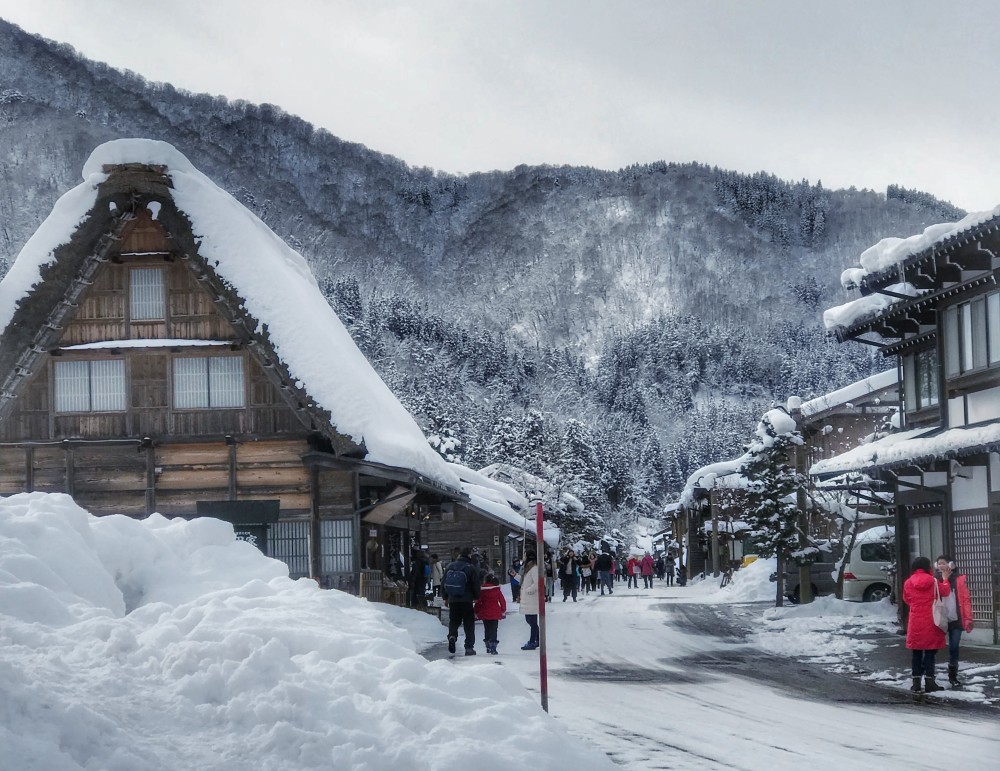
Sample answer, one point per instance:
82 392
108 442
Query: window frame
210 376
134 302
92 378
972 335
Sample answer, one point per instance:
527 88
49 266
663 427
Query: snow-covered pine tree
772 485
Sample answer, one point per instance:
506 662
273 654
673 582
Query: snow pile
162 644
826 629
750 584
277 289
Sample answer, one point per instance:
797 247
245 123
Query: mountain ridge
640 297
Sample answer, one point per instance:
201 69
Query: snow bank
750 584
825 630
128 645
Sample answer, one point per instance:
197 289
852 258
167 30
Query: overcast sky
850 92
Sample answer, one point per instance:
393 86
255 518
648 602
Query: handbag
938 612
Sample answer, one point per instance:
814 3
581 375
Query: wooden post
715 531
541 564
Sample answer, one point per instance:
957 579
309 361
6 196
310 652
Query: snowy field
132 645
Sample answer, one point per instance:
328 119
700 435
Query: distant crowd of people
471 590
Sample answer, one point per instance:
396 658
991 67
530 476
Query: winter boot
930 686
953 677
916 686
451 643
470 651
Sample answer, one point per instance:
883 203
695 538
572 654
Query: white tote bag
938 611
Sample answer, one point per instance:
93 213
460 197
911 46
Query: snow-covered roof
868 306
911 447
851 393
890 253
277 288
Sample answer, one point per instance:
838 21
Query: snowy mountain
660 306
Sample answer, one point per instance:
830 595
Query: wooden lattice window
90 386
205 382
972 552
146 294
336 545
289 542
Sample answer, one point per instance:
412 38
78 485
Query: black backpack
456 582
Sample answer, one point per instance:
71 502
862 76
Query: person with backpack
514 573
605 565
490 607
461 590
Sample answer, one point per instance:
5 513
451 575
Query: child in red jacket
490 608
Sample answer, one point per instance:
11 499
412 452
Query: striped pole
542 565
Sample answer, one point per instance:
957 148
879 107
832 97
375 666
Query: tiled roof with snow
890 253
851 393
911 447
277 288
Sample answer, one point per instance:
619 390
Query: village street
657 679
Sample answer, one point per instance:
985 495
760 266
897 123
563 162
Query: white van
865 575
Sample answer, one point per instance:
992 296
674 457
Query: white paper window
146 296
984 405
90 386
208 381
993 321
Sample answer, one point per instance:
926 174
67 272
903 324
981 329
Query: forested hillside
610 330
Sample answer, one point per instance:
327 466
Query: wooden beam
314 531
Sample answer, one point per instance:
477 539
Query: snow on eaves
891 252
500 491
277 288
851 393
550 533
869 306
910 447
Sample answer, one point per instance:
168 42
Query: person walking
461 590
605 565
646 568
923 636
634 571
530 599
668 567
437 575
416 592
659 566
569 566
490 607
550 575
958 605
514 573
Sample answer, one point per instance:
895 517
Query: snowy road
658 682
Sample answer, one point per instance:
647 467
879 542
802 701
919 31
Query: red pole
543 673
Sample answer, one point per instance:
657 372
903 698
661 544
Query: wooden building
931 303
163 351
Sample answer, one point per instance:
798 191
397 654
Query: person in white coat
529 599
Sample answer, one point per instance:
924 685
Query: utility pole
541 564
805 573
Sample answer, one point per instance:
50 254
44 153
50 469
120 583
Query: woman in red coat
923 636
490 607
959 608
